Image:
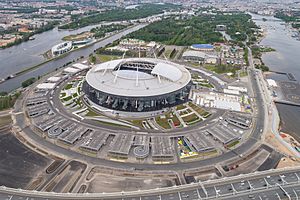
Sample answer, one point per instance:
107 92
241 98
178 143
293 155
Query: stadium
202 47
137 85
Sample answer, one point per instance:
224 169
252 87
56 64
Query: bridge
272 184
270 20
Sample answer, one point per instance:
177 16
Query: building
221 27
61 48
132 42
202 47
199 57
137 85
137 45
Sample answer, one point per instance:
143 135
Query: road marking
18 113
179 195
198 193
296 194
297 176
284 191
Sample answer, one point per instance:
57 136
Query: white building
240 89
199 57
61 48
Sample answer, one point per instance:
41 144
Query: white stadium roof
108 65
140 77
167 71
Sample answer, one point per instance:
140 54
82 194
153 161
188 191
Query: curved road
244 149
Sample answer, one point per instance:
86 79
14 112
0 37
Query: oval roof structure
203 46
138 77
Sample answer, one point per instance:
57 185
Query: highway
272 185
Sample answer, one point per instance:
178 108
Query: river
284 59
29 53
279 37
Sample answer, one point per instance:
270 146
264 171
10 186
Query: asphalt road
269 185
231 155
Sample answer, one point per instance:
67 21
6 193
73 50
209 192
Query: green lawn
111 124
163 122
222 69
5 120
105 58
91 113
208 85
174 119
67 98
190 119
180 107
243 73
199 110
68 86
62 94
233 144
8 101
138 122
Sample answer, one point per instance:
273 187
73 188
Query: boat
31 38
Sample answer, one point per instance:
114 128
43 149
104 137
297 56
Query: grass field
5 120
233 144
190 119
91 113
105 58
199 110
163 122
180 107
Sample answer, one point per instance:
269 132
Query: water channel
29 53
284 59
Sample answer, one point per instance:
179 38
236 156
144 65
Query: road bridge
271 184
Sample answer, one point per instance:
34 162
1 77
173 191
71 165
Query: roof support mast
116 76
137 76
165 57
154 54
139 50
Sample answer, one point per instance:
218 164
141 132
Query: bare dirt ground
110 183
286 161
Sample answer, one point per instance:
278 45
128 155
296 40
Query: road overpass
272 184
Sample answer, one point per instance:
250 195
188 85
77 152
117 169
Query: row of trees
8 100
101 31
119 15
198 29
288 18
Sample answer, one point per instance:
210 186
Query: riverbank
277 35
52 65
28 69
